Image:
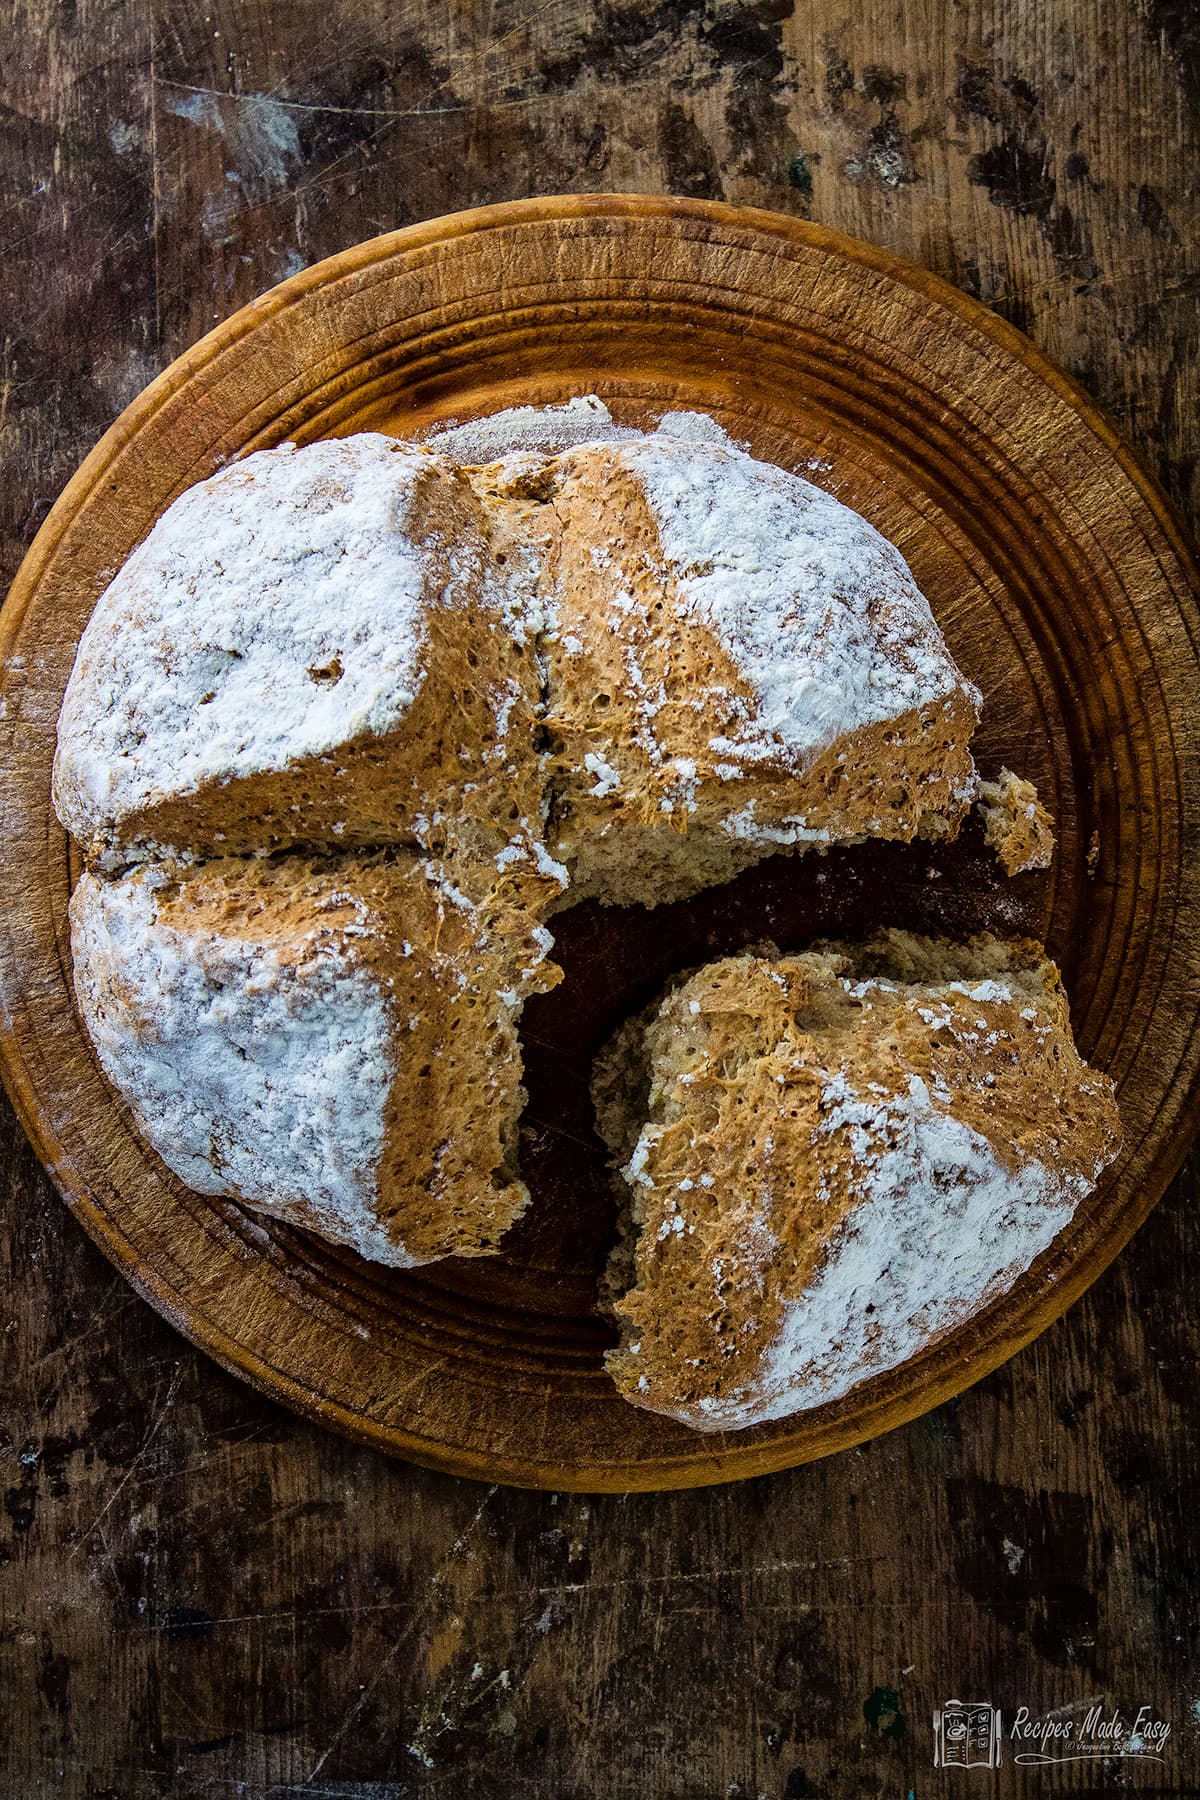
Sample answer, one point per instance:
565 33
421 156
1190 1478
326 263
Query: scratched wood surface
200 1594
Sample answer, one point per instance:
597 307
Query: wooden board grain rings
1066 591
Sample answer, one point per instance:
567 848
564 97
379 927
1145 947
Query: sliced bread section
315 647
737 664
334 1043
832 1159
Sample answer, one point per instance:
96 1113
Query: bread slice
333 1042
315 647
736 664
829 1160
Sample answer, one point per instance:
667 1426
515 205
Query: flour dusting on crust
275 608
550 430
542 430
220 1042
942 1226
818 611
829 1161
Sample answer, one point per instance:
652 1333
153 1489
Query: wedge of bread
317 648
741 665
829 1160
334 1043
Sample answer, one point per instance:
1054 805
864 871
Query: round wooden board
1065 589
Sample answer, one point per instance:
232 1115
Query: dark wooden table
201 1595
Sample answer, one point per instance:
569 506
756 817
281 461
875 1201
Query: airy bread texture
333 1043
829 1160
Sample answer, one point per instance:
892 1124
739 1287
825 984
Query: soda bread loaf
356 718
331 1042
829 1160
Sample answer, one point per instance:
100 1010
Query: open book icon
966 1737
